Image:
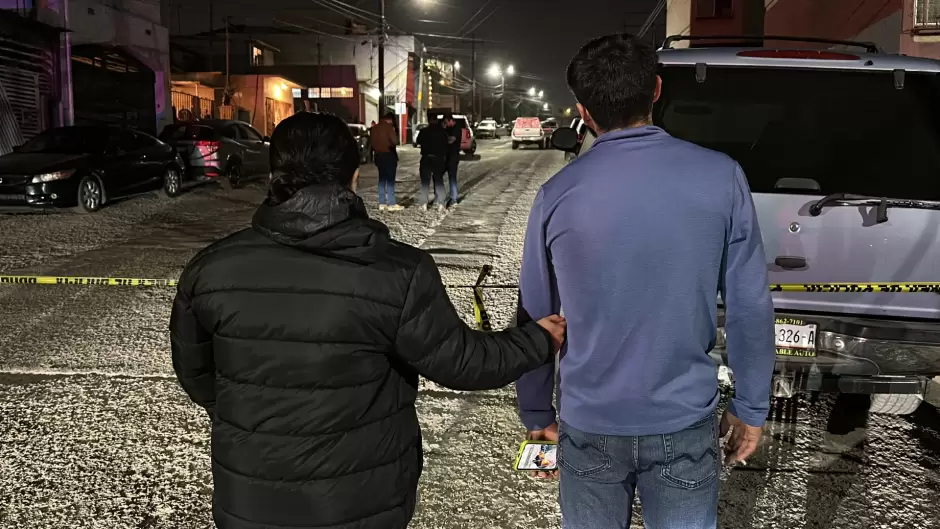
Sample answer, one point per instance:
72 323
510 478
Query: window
257 56
249 133
927 14
313 93
229 132
714 8
847 131
185 132
129 141
331 92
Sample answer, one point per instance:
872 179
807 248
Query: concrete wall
678 19
135 26
360 51
878 21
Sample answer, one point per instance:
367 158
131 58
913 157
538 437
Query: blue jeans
676 475
432 168
387 163
452 163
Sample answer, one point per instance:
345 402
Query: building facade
121 62
35 86
910 27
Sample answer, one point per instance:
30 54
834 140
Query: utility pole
228 48
211 36
382 36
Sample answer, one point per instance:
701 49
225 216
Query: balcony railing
927 14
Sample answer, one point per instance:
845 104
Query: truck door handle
788 262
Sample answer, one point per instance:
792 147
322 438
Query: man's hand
556 326
743 440
548 434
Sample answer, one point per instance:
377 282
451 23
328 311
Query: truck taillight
466 134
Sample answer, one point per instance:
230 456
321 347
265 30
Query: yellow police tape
479 309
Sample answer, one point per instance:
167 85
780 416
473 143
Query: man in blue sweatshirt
633 241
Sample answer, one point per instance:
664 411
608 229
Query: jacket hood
327 220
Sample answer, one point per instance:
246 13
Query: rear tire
233 175
891 404
90 195
515 145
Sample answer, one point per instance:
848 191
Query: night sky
538 37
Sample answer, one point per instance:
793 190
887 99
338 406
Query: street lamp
545 106
457 65
541 93
532 92
496 71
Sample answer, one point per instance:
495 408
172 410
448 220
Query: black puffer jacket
304 337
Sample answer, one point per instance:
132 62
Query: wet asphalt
96 433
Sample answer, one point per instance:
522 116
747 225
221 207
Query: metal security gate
27 90
111 87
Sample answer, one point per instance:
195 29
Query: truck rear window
528 123
848 131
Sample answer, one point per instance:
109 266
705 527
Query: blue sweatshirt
633 241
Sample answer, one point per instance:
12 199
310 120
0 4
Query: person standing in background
454 134
384 140
434 147
638 389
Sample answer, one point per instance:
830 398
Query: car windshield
488 124
185 131
847 131
69 140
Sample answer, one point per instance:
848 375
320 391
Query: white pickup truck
528 131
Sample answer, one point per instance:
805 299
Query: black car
85 167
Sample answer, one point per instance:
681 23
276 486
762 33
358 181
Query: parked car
488 129
549 126
215 147
86 167
361 133
528 131
841 196
585 138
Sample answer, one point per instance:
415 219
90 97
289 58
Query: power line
496 8
469 20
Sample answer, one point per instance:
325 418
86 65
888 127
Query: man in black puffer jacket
304 336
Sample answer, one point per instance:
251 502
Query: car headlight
53 176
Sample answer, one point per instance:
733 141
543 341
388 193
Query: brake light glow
209 150
819 55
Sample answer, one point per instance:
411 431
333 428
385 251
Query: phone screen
536 455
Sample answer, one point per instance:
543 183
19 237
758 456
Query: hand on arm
435 341
749 325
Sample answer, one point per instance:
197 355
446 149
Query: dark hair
614 77
389 116
311 148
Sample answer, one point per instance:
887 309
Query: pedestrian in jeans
637 268
454 134
434 148
384 140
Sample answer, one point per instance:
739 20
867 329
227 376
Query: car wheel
891 404
515 145
172 182
233 175
90 196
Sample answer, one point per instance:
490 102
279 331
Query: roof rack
758 41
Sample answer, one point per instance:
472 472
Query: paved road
95 432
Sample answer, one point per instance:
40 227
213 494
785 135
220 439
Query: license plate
794 337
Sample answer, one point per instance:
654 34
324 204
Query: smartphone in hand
537 455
